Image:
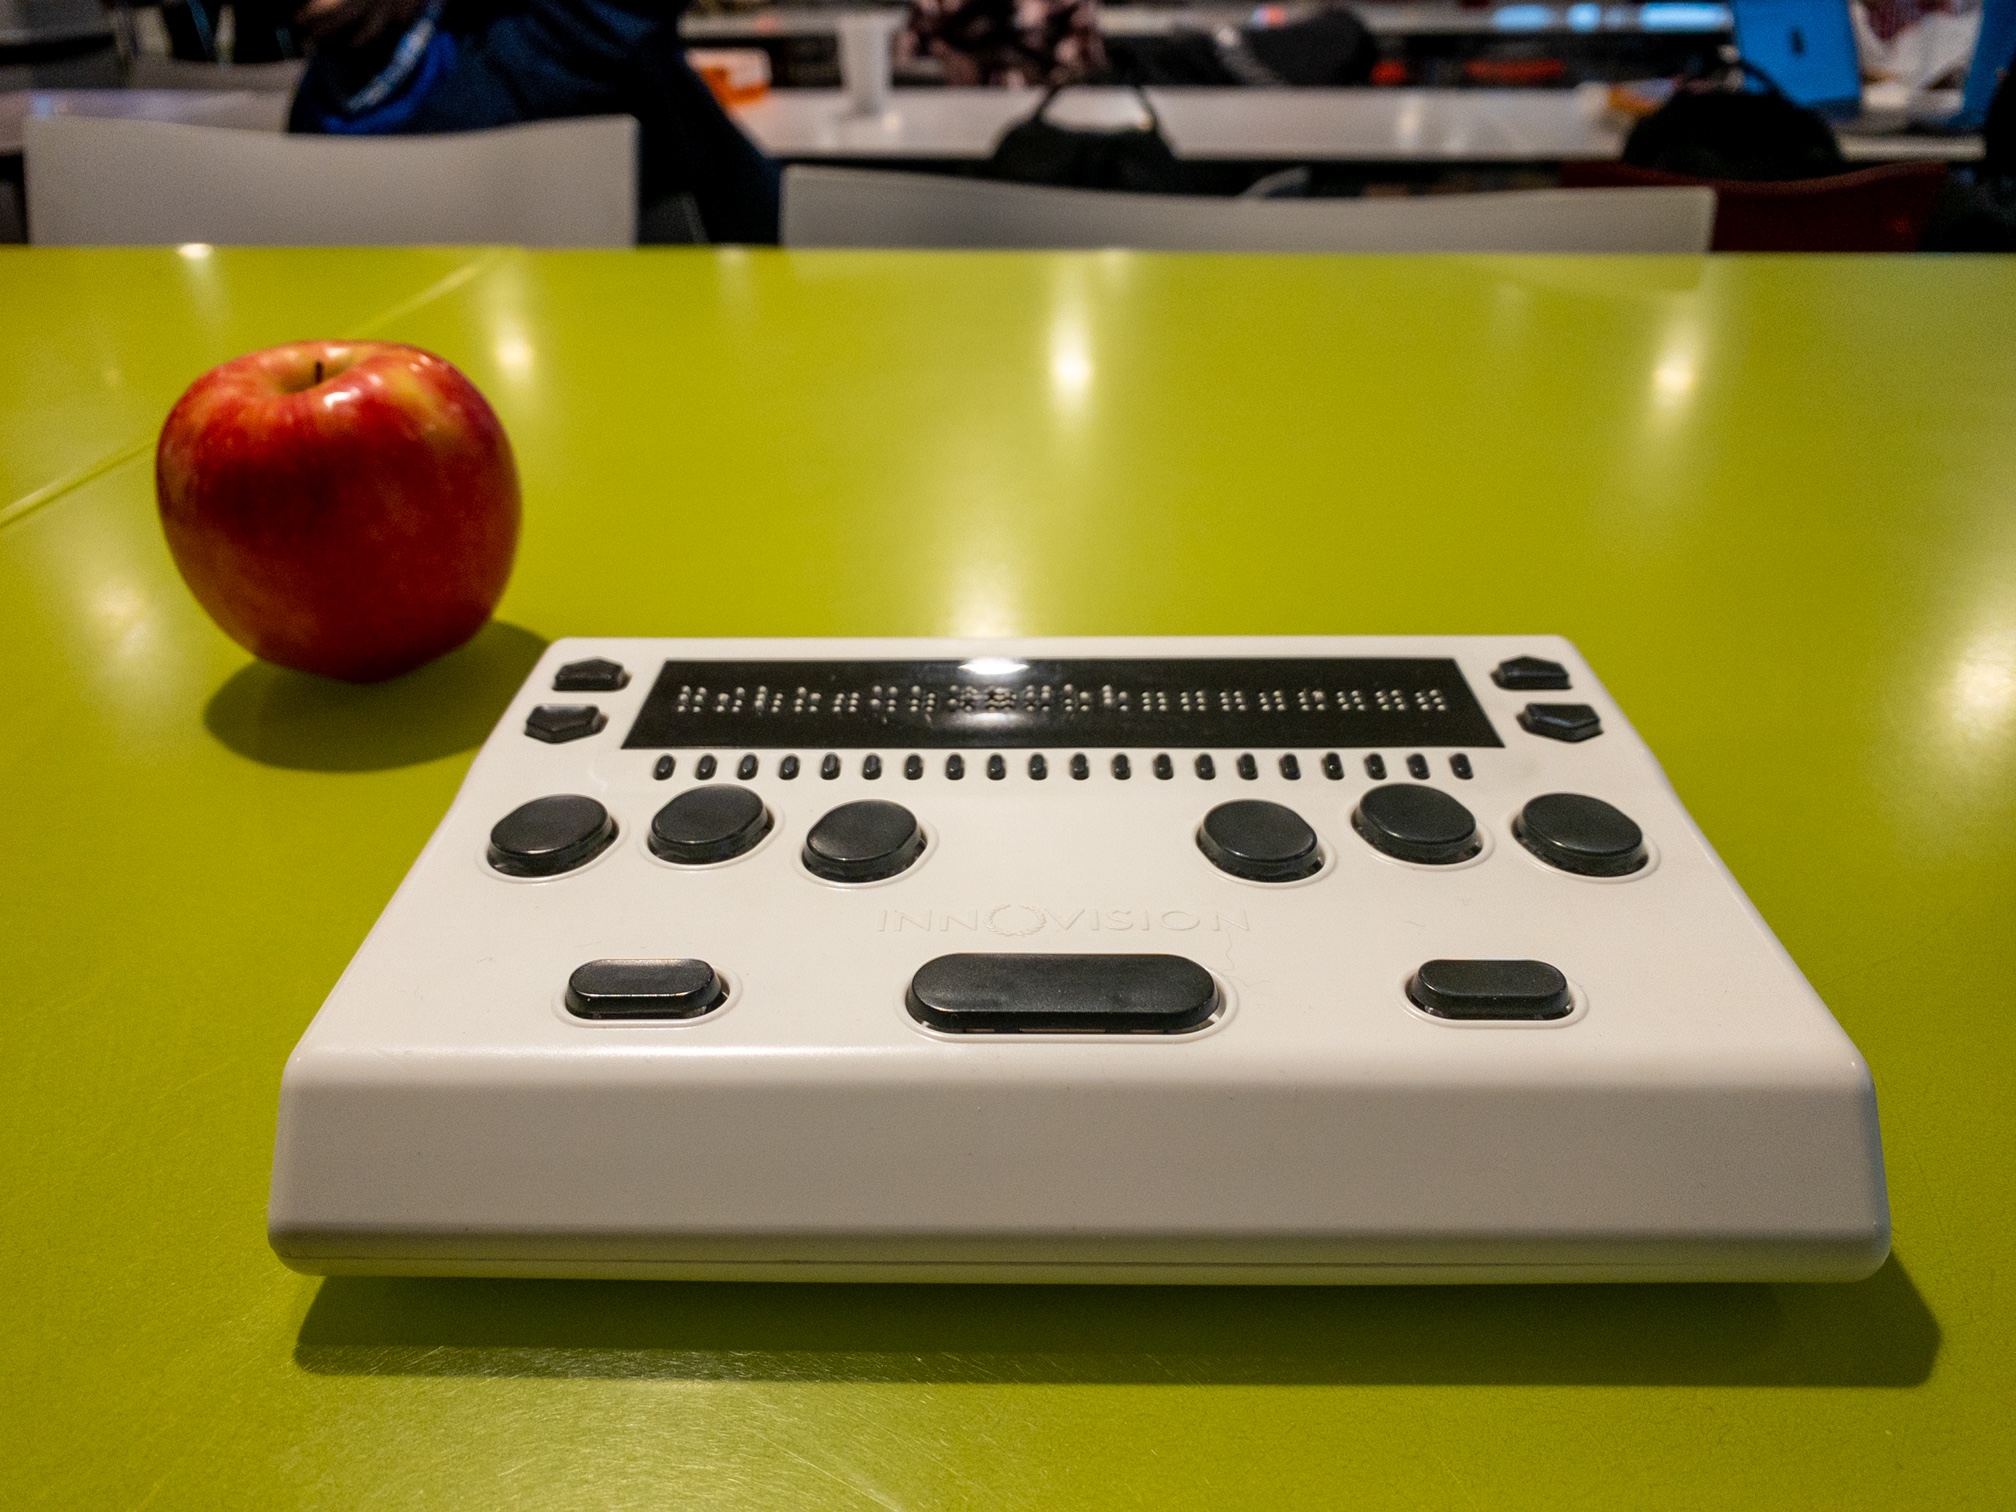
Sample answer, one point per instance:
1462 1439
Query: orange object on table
736 75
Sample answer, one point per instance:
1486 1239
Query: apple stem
318 370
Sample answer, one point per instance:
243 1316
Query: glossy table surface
1774 500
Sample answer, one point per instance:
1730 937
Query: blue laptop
1806 48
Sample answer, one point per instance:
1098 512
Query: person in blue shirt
388 66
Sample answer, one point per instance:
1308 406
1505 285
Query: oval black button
1261 841
643 990
550 835
1063 994
1491 990
1581 834
1415 823
708 824
863 842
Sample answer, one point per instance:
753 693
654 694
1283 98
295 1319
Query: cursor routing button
1581 834
549 836
1062 994
1490 990
1415 823
863 842
644 990
706 824
1260 841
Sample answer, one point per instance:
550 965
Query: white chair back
848 207
94 182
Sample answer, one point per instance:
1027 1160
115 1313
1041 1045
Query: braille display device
1327 959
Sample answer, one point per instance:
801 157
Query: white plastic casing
1699 1115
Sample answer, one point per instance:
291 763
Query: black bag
1718 133
1136 158
1327 49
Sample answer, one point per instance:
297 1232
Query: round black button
708 824
551 835
1261 841
1415 823
1581 834
863 842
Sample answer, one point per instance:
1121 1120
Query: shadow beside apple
297 720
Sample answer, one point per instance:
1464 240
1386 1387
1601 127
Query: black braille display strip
1109 703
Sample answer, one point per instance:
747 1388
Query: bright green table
1774 500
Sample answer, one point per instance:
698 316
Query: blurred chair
1881 209
150 72
94 182
849 207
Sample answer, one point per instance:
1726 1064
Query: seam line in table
77 477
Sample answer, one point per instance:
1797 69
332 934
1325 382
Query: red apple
342 507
